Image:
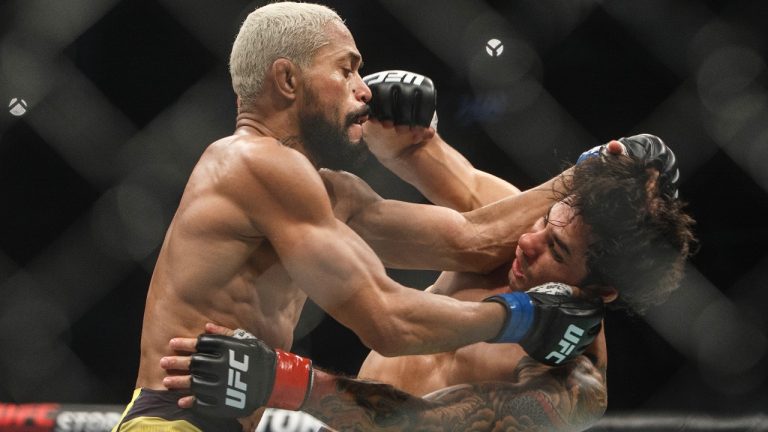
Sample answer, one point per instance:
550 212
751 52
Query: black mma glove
232 377
652 151
549 324
405 98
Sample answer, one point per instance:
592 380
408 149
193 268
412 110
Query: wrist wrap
519 316
293 381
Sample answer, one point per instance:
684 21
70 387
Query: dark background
123 96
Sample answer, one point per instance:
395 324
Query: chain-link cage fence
109 103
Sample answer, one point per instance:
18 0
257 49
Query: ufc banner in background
277 420
54 417
47 417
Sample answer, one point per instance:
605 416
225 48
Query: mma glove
549 324
404 98
232 377
652 151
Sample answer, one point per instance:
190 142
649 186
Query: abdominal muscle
229 281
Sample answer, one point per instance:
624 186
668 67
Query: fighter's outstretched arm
416 236
288 204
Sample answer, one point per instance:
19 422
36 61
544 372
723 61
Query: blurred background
107 105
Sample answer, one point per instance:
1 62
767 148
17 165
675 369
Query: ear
607 293
285 75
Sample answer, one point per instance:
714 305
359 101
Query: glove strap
597 151
519 316
293 380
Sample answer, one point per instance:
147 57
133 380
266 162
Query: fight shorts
157 411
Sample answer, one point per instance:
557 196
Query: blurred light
17 107
726 74
494 47
142 216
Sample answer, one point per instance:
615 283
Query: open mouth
359 120
517 270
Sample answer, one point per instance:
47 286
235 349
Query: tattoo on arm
565 398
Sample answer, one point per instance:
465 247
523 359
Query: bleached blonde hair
279 30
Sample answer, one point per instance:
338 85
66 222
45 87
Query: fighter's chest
475 363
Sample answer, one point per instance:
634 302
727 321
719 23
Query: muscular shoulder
261 159
267 180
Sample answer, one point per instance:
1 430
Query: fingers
211 328
186 402
615 148
183 344
178 382
180 363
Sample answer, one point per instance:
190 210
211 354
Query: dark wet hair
640 237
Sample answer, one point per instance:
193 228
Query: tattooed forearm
543 399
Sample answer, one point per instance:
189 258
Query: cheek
576 273
553 271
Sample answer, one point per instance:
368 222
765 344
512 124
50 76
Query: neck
277 126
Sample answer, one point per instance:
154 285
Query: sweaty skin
255 234
481 386
478 387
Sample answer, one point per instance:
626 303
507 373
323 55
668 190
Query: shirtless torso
255 233
215 266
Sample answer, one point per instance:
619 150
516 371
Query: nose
360 89
531 245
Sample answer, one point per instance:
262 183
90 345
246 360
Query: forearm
345 278
415 236
447 178
426 237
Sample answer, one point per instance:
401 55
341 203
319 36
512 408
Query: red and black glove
233 377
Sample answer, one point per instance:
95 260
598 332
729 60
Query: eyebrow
555 237
561 243
354 57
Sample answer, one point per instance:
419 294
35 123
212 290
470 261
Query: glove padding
404 98
232 377
652 151
551 328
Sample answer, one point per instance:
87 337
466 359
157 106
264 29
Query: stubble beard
325 137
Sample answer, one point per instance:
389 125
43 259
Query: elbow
387 337
385 344
385 347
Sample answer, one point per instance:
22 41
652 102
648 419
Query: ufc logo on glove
569 341
236 388
394 76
